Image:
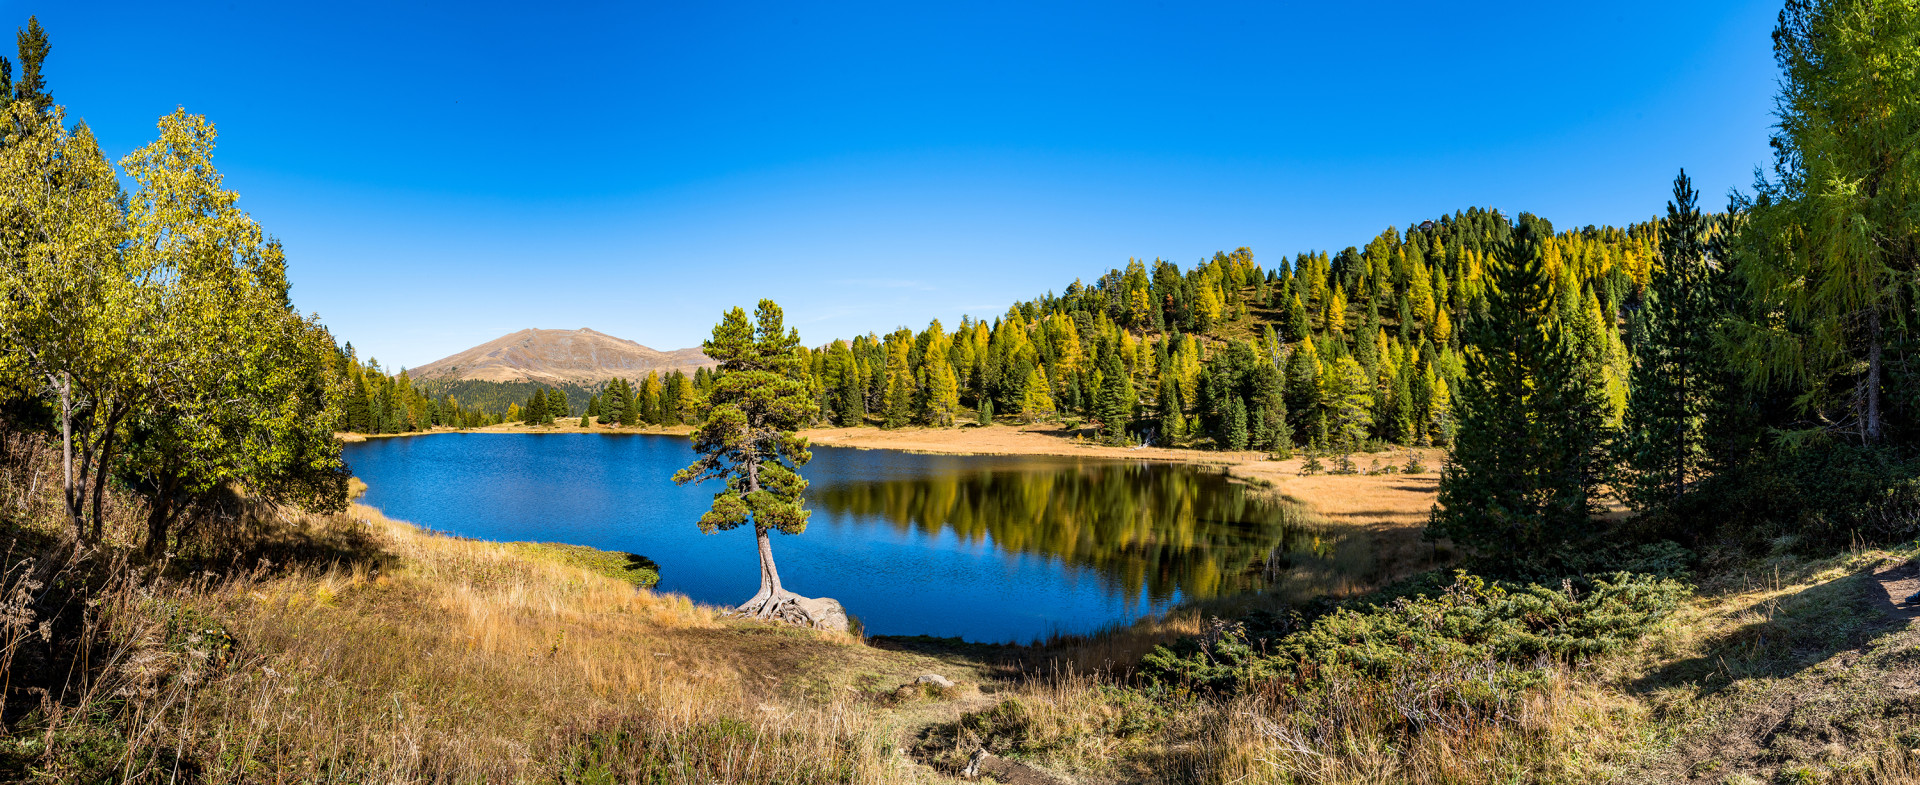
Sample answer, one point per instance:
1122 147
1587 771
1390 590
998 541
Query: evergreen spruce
1517 491
1235 428
1675 366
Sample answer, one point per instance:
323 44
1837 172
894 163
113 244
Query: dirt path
1894 587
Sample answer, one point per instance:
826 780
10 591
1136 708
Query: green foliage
1828 255
1814 498
1676 369
1518 490
1469 621
746 439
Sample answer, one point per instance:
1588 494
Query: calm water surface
989 548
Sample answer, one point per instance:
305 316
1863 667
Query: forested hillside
1323 350
1334 351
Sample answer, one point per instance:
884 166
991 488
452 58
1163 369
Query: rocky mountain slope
580 356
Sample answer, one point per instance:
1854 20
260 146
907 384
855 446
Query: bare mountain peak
579 356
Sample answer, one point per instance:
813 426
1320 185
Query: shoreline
1396 499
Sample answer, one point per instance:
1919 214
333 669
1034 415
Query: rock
973 766
935 679
823 613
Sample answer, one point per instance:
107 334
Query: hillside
582 357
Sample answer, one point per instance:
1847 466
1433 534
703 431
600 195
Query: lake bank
1372 499
985 547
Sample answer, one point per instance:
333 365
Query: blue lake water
989 548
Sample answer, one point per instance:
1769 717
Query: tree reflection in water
1161 527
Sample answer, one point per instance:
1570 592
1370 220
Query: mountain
581 357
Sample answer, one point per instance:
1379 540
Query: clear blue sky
446 173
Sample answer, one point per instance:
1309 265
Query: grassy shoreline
354 647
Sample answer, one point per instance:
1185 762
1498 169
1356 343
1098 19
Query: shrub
1814 499
1470 621
1312 465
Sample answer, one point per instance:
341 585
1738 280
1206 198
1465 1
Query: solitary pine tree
747 440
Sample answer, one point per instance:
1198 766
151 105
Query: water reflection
990 548
1170 531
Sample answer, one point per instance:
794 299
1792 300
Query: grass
293 647
631 568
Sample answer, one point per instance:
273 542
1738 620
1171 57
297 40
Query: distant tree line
1323 351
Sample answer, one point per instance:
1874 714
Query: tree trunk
1872 420
159 519
772 601
66 455
100 477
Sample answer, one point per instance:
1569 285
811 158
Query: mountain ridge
582 356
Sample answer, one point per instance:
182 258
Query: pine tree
1517 490
1172 422
985 412
359 409
536 408
1305 394
1297 326
1674 372
1114 401
747 440
32 87
900 386
1235 424
636 409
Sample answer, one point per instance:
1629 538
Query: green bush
1471 620
1817 499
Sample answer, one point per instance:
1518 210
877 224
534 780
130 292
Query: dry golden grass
355 648
422 658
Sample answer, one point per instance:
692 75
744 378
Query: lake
988 548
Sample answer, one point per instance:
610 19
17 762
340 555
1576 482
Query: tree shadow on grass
268 542
1788 635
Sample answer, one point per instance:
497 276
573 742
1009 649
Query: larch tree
747 440
943 389
1832 243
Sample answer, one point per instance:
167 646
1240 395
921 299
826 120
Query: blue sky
442 174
